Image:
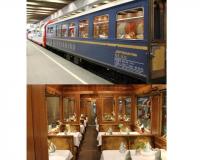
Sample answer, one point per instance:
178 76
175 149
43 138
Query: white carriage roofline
105 6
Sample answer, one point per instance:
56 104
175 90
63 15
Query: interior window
72 30
130 24
144 112
64 30
83 28
101 26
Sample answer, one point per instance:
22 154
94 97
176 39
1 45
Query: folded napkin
128 156
158 154
51 147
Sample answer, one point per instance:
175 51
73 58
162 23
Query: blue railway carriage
125 35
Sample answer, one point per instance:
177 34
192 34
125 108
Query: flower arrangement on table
140 144
120 126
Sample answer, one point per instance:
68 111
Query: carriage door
158 44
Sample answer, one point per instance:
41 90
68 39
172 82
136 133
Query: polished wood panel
160 142
115 128
112 142
30 138
156 114
63 142
39 118
54 90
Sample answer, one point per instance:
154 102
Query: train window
58 30
159 28
130 24
101 26
64 30
72 30
83 28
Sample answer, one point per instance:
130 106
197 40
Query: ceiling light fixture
55 1
39 11
33 3
43 8
94 6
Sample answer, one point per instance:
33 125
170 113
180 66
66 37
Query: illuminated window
101 27
64 30
83 29
58 30
72 30
130 24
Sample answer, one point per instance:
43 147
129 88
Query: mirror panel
69 109
53 111
108 109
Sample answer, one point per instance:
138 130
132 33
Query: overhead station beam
78 5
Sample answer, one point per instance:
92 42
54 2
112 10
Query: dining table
82 128
61 155
117 155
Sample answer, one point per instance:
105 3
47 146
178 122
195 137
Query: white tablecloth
97 127
99 137
77 137
116 155
82 128
61 155
85 123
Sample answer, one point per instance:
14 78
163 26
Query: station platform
45 67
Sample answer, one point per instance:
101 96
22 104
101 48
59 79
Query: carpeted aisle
89 149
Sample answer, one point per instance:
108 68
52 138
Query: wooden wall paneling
135 112
132 110
54 90
155 115
98 109
160 142
143 89
39 114
30 136
61 108
78 107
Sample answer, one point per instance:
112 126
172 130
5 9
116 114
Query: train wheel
76 60
67 56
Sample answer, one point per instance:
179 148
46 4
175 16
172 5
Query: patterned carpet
88 148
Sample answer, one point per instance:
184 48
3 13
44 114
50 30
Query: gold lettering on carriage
126 53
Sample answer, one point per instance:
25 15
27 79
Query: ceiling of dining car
37 10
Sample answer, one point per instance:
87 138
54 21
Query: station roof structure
38 10
43 10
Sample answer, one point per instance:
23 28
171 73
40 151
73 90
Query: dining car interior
97 122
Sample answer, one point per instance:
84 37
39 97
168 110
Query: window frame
75 35
134 18
108 26
150 109
87 19
62 36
